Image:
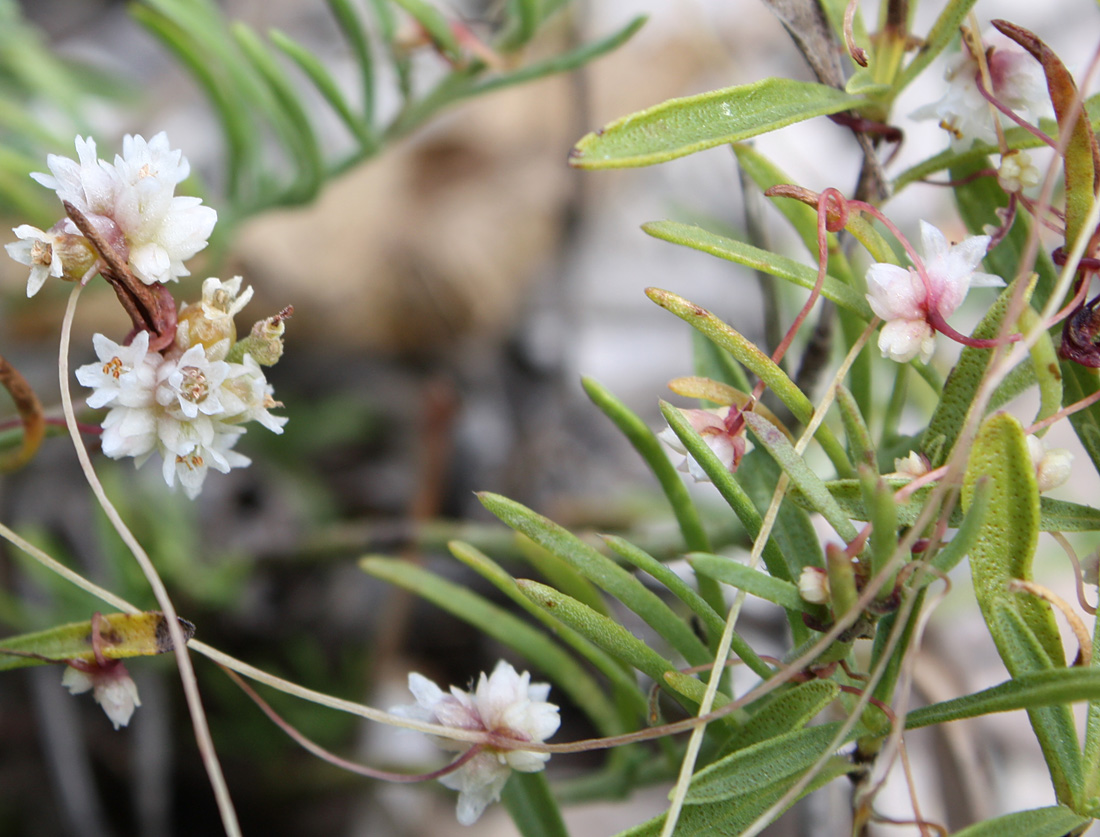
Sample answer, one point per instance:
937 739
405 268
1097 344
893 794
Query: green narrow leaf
609 635
689 235
602 713
861 445
802 476
532 806
122 635
288 115
939 36
963 383
561 574
1054 515
1028 691
684 126
712 623
646 443
732 816
499 624
352 29
790 709
1022 626
747 353
757 766
879 501
1055 821
754 582
324 82
603 572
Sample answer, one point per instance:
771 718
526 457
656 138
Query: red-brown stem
1011 114
859 55
342 763
30 416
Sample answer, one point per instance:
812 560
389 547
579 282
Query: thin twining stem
30 413
179 641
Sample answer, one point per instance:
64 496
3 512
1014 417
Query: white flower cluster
131 203
505 703
187 404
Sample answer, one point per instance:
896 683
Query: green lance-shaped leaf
861 445
1055 821
532 806
609 635
683 126
1082 157
502 626
1022 626
783 712
747 353
351 27
879 500
561 574
939 36
757 766
287 114
963 383
734 815
621 677
324 82
603 572
1028 691
754 582
1054 515
802 476
646 443
121 635
773 264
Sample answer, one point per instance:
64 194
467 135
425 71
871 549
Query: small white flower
247 396
965 114
191 448
190 384
913 465
714 426
111 686
125 376
1052 467
898 295
813 585
36 249
505 703
1017 172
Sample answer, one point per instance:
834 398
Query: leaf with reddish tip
1082 155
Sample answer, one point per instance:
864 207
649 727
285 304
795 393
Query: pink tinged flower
36 249
902 298
504 703
963 112
111 686
723 432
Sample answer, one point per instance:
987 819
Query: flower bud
813 585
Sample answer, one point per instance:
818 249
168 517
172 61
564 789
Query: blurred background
448 295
